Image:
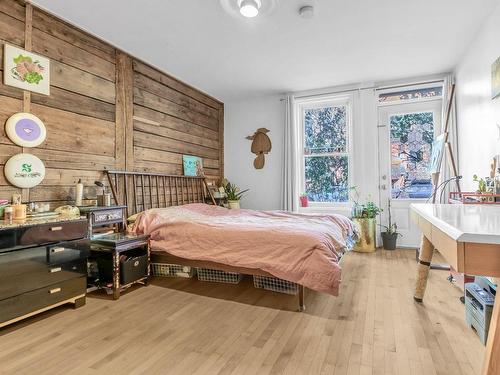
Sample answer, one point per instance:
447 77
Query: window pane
429 92
412 135
325 130
326 178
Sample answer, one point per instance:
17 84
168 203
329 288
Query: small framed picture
26 70
193 166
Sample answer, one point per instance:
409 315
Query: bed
299 248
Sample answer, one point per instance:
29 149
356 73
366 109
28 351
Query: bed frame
140 191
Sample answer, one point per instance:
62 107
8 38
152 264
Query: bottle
8 214
79 193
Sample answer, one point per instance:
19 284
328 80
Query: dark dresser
43 264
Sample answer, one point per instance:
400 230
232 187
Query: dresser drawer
62 231
36 259
42 234
50 274
26 303
111 216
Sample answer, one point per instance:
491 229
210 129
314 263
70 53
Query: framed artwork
26 70
24 170
25 129
437 153
495 79
193 165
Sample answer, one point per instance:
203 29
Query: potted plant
481 184
233 195
304 200
390 235
365 216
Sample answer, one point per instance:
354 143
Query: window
412 135
324 150
411 95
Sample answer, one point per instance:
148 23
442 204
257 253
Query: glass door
406 134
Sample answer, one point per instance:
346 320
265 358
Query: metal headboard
140 191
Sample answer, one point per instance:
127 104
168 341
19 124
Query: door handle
56 269
55 290
55 229
58 249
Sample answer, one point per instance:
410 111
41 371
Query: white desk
468 237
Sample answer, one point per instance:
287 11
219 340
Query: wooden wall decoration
261 145
106 110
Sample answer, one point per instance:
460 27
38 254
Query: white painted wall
478 115
243 118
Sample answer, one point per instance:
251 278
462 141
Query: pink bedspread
301 248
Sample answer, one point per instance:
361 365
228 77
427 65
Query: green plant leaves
22 58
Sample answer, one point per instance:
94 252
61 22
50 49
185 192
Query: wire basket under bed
218 276
172 270
274 284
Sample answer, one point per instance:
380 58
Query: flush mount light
250 8
238 8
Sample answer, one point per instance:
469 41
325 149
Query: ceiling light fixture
250 8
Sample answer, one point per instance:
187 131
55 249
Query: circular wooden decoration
24 171
25 129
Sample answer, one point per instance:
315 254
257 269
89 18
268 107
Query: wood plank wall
106 110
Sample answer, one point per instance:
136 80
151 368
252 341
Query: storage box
274 284
172 270
217 276
133 267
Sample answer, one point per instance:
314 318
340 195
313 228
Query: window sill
337 209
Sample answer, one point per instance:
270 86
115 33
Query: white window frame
335 100
409 88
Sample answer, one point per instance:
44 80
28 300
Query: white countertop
463 222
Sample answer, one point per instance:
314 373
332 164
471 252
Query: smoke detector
306 11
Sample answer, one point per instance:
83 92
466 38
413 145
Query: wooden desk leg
491 365
116 275
424 264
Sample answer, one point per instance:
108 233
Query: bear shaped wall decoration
261 145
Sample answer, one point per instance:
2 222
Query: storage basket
274 284
134 267
172 270
217 276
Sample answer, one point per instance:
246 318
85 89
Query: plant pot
304 201
233 204
389 240
366 242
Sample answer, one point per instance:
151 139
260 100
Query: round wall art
24 170
25 129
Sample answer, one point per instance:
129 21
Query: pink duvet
301 248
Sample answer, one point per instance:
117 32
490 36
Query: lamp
250 8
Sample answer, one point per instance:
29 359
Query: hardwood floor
181 326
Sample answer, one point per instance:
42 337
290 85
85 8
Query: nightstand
123 260
100 218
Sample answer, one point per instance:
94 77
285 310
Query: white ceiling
233 57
